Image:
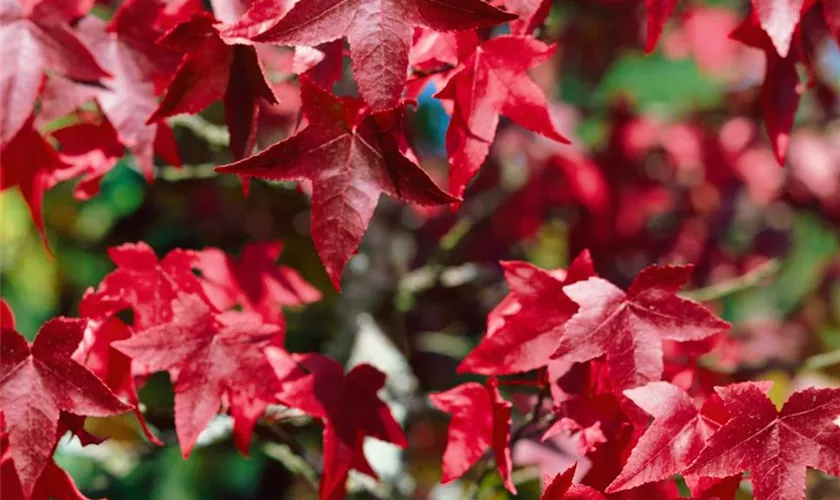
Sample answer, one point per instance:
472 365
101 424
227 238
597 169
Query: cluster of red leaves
634 352
215 323
217 328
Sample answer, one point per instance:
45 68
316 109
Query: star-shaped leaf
351 156
678 433
494 82
774 446
39 381
525 328
211 357
629 327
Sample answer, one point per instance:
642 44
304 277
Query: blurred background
670 163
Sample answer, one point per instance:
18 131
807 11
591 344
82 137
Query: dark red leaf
39 381
351 156
350 408
379 33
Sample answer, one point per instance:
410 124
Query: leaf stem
735 285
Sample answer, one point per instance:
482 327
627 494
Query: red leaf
774 446
658 12
254 281
494 81
562 488
629 328
107 363
31 41
29 162
91 150
379 33
779 19
674 439
39 381
126 46
781 90
53 482
211 358
532 13
210 70
351 156
480 420
7 317
145 284
351 410
524 329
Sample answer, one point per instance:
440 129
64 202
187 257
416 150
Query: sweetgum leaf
774 446
629 327
39 381
494 81
352 156
211 357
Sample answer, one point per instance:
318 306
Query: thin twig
729 287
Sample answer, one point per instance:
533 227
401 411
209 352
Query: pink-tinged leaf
779 19
229 11
774 446
678 433
351 157
524 329
531 13
658 12
38 382
127 47
480 421
562 488
211 358
629 327
29 162
32 42
253 281
351 410
379 33
494 81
